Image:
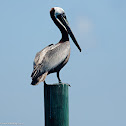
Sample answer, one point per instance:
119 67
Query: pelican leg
58 77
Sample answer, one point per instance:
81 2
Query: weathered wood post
56 105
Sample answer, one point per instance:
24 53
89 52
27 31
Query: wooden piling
56 105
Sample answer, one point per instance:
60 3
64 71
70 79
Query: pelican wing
40 55
49 58
37 64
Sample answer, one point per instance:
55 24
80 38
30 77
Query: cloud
84 30
84 25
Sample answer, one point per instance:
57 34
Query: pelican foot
64 83
69 85
60 82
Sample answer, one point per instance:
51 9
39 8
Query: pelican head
61 18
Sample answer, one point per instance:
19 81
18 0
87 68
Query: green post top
56 104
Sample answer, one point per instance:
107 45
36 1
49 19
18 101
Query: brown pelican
53 57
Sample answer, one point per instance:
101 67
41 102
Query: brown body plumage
54 57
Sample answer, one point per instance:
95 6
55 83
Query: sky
97 75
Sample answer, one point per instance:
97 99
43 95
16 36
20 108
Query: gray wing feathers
37 71
40 55
49 58
39 62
